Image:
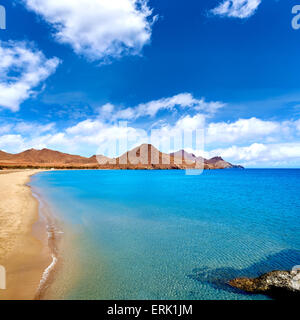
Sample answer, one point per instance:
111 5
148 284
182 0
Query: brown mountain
145 156
44 157
182 154
213 163
5 156
219 163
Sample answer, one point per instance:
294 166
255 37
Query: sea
156 234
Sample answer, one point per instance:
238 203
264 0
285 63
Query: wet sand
23 237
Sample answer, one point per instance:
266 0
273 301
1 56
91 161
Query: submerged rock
277 284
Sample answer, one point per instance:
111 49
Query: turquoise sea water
167 235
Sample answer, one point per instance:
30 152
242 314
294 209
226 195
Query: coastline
50 239
24 249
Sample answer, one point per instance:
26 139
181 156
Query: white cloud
181 135
27 127
19 136
250 142
297 123
98 29
187 123
86 137
12 143
22 69
86 127
261 154
242 130
183 100
106 111
102 136
191 123
236 8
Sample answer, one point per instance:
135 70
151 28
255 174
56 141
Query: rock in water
277 284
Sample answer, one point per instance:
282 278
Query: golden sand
23 252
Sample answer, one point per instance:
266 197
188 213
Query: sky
77 75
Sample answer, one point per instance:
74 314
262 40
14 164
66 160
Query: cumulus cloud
98 29
183 100
186 133
102 137
86 127
236 8
240 132
245 130
11 143
18 136
22 69
250 142
261 154
88 137
106 111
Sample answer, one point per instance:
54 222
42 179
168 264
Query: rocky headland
276 284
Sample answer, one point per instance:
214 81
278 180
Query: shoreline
52 231
24 243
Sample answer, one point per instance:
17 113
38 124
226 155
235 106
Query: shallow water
167 235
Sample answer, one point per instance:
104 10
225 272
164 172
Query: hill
145 156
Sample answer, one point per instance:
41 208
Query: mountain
182 154
219 163
213 163
48 156
5 155
44 157
145 156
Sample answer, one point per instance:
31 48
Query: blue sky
71 70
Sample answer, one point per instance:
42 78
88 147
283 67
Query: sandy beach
23 249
